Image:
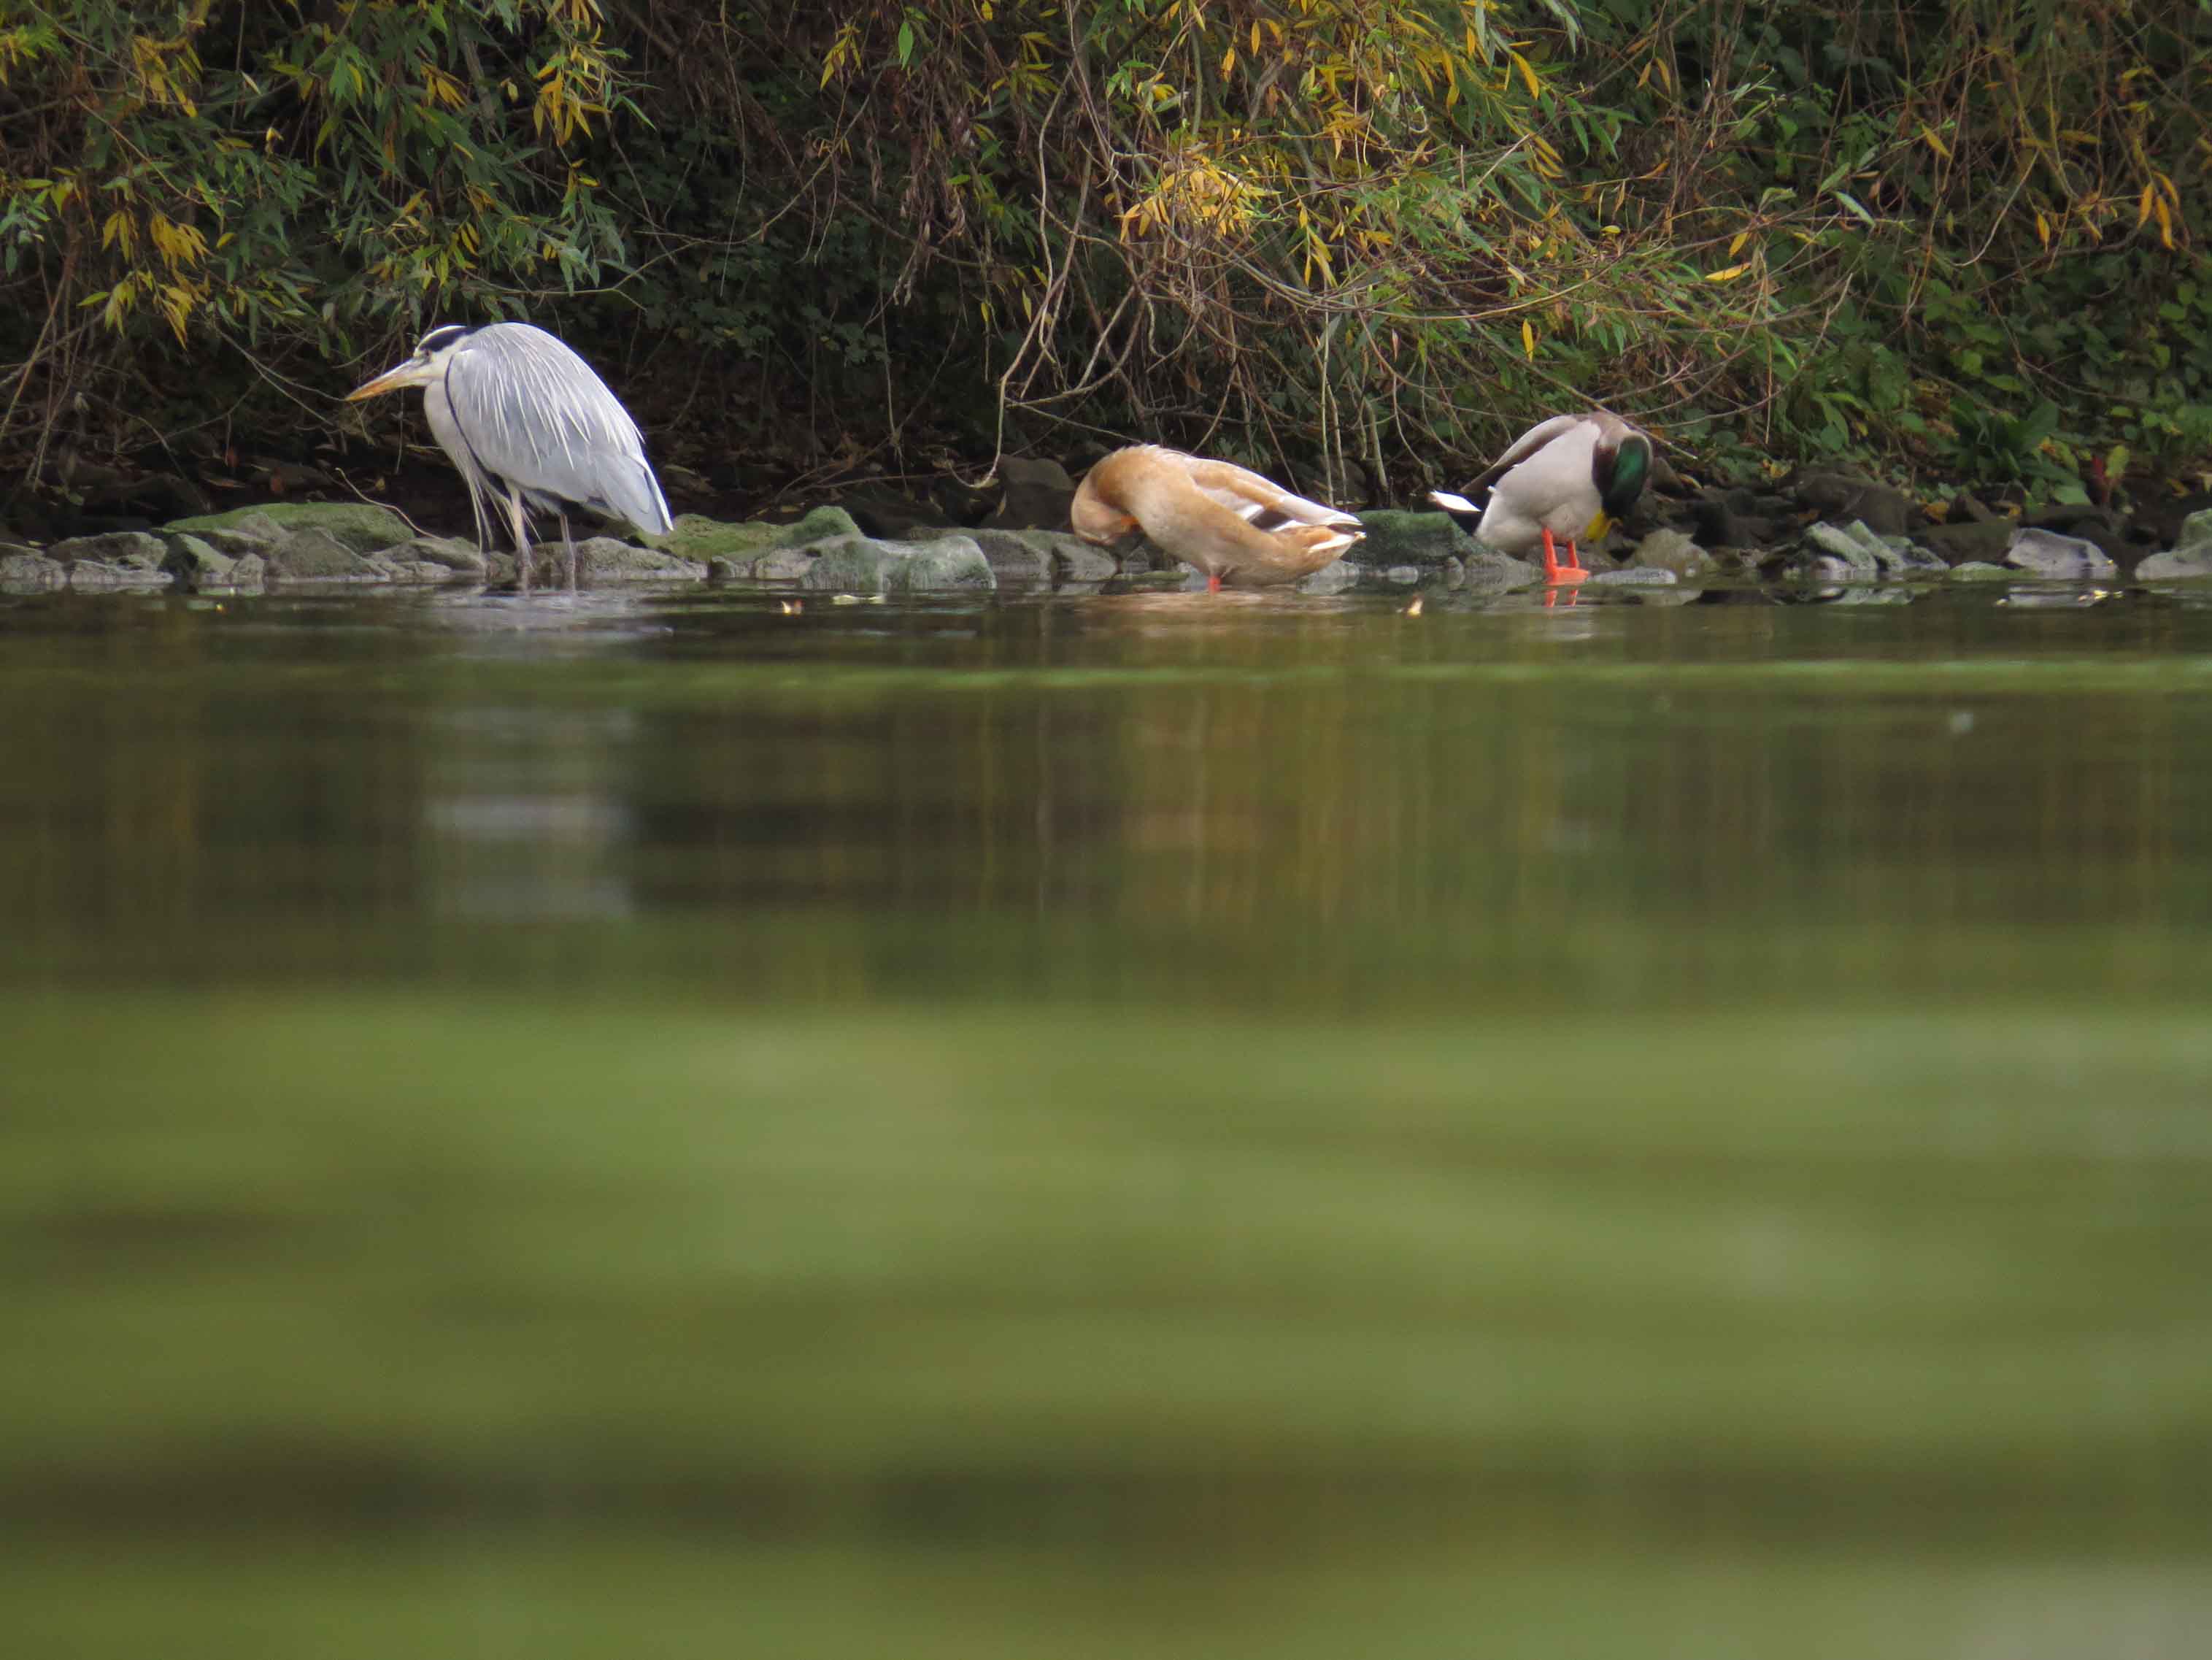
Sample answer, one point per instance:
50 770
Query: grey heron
527 422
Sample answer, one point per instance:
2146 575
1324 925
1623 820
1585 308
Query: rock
2101 527
2165 519
2182 564
1489 571
255 533
249 574
312 554
1980 571
859 564
24 571
788 565
1332 578
1396 536
193 560
604 559
1970 541
1742 519
701 540
1836 493
1634 576
1838 553
1036 495
450 553
120 559
2058 558
1079 561
1039 558
2191 555
1402 576
881 511
97 576
129 549
357 526
1670 550
1972 510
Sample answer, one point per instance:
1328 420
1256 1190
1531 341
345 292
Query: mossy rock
194 560
604 559
701 539
358 526
1673 551
1398 536
23 570
312 554
859 564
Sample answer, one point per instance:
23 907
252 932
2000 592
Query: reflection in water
1155 1124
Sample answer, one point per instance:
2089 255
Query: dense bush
1960 238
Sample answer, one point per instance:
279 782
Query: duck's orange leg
1554 572
1213 582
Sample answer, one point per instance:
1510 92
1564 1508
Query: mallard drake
1565 479
1229 523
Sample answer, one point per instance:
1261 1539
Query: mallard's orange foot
1554 572
1213 583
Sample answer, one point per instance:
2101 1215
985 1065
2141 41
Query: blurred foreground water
1143 1125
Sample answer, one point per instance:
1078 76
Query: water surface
1129 1124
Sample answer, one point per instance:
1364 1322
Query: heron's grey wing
536 415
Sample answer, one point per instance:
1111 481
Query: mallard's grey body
1570 477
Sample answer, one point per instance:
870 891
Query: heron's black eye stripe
439 337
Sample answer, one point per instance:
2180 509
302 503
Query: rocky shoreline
1821 529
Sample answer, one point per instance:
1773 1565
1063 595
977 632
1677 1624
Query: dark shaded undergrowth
1364 239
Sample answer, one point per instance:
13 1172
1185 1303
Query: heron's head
428 364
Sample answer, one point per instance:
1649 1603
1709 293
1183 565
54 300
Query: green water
1122 1126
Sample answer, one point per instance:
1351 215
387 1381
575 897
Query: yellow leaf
1527 74
2042 230
1528 339
1935 143
2142 211
1228 60
1255 37
1736 247
1726 274
2164 222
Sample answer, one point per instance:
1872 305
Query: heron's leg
522 561
568 542
483 521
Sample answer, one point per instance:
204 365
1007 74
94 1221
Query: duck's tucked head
1623 470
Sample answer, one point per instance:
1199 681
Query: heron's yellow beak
392 379
1596 532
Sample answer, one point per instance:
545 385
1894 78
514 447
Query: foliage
1959 240
275 177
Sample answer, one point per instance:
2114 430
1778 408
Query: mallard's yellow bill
1598 527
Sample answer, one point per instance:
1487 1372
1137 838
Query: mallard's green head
1622 471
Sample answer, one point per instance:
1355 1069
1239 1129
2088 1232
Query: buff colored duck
1227 521
1565 479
